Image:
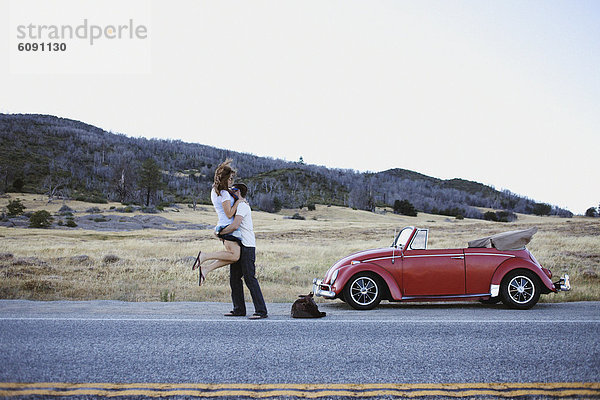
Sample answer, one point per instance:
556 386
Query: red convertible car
492 269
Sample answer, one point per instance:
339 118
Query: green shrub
404 207
15 207
541 209
450 212
490 216
66 210
94 198
591 212
166 295
500 216
71 223
18 185
40 219
506 216
277 204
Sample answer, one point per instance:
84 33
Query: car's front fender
519 263
348 272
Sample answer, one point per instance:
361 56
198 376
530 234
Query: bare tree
55 186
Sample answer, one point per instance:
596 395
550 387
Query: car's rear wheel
520 289
363 291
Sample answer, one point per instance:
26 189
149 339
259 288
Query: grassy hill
61 157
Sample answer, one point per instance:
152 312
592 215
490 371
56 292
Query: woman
225 205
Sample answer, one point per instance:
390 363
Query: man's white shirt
246 227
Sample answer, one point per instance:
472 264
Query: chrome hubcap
364 291
521 289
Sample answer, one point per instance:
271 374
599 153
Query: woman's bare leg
221 258
212 265
231 253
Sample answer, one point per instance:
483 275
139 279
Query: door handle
458 258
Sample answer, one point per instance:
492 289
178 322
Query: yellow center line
305 386
311 391
310 395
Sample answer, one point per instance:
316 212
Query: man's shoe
232 314
259 316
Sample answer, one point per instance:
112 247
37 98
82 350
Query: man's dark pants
246 268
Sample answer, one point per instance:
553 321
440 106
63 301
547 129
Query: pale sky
506 93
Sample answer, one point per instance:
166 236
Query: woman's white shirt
218 201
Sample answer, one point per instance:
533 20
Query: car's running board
458 296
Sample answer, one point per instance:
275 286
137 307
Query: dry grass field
155 265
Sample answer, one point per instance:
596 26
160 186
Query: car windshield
403 236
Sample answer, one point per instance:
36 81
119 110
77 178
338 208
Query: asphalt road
192 343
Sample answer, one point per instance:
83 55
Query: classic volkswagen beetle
491 269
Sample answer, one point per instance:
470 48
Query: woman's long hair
222 174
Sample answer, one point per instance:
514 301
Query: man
245 266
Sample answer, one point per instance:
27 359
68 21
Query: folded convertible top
512 240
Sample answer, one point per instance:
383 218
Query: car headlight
334 277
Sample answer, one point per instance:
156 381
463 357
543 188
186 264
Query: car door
439 272
480 264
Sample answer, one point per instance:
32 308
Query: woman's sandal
201 277
197 262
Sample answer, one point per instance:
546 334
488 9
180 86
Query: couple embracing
236 231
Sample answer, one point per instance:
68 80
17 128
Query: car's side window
420 240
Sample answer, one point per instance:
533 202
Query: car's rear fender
519 263
348 272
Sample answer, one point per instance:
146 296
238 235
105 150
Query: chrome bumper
563 284
323 290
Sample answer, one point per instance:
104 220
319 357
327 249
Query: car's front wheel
363 291
520 289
